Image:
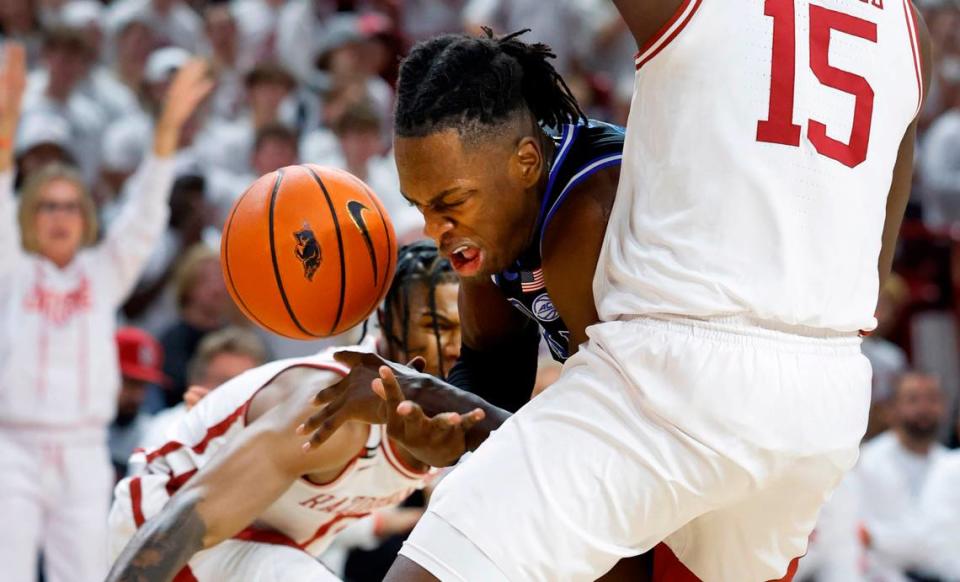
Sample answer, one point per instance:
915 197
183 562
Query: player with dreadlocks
232 496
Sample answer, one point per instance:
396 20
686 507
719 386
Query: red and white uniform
59 378
724 394
305 518
759 153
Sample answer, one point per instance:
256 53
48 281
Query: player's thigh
578 479
243 561
21 508
757 538
75 538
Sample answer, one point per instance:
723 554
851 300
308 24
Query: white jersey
759 153
308 515
58 356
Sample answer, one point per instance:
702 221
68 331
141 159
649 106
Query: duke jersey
581 150
308 515
760 150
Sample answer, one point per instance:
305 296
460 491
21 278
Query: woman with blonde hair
59 293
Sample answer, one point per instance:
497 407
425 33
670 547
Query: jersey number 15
779 126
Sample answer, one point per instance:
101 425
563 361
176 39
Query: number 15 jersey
759 153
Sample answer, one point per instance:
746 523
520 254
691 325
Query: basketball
308 251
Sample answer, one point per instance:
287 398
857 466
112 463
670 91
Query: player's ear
528 162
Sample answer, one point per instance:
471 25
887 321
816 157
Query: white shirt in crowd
941 510
180 26
58 356
891 480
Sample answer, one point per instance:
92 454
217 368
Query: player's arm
12 82
238 485
498 352
900 188
569 262
646 17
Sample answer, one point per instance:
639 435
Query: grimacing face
421 338
479 201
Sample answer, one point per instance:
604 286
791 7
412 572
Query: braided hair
475 84
418 263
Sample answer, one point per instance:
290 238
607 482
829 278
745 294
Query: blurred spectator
204 306
220 357
301 23
172 21
152 305
257 27
892 471
232 141
54 89
58 356
939 165
888 359
941 512
222 37
141 359
276 146
19 22
42 139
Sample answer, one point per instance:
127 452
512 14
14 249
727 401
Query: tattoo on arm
163 546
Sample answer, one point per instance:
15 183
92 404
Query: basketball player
232 496
723 395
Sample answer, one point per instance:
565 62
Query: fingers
326 425
470 419
318 418
391 387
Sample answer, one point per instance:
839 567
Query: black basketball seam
343 265
273 257
386 231
226 262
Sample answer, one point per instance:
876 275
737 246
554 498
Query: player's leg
21 509
75 538
244 561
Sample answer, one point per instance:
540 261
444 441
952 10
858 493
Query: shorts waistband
749 330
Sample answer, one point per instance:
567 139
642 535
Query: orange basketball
308 251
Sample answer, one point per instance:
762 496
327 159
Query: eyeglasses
47 207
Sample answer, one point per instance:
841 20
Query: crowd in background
312 81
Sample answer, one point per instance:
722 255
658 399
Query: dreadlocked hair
470 84
418 263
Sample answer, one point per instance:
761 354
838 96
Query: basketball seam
273 257
226 252
343 266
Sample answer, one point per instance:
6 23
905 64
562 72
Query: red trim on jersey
389 450
136 501
220 428
266 536
185 575
914 49
164 450
683 8
175 483
335 368
662 30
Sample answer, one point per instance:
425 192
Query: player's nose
435 226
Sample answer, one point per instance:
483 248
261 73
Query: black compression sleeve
503 375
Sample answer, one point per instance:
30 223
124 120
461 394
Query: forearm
164 545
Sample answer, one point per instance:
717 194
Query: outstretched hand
437 441
190 86
352 399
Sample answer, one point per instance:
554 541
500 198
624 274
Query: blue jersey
582 150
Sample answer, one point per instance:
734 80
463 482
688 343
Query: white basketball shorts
721 437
